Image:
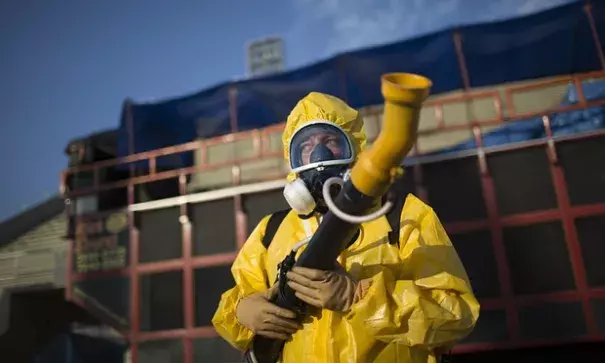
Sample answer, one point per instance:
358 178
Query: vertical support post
257 144
63 182
188 297
130 128
239 215
233 120
68 273
241 219
135 317
569 227
466 81
96 178
491 205
152 165
577 82
595 33
69 211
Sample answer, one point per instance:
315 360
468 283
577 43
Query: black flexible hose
328 242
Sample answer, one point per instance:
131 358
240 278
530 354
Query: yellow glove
332 290
262 317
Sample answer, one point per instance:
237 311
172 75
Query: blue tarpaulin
555 42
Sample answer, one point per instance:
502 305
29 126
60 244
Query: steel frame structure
506 111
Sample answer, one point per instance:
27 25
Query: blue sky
67 65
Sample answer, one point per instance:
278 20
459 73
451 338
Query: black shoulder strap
275 220
394 218
272 226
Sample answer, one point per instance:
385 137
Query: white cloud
359 23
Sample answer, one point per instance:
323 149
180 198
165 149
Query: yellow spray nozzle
408 88
404 94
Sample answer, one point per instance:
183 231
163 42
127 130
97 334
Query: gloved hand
262 317
332 290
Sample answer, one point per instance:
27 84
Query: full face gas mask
319 150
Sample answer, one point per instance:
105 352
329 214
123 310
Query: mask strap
308 227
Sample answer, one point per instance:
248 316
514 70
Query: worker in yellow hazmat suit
404 302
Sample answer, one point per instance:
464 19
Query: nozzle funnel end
406 88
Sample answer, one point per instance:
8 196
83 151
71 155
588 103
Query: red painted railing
261 138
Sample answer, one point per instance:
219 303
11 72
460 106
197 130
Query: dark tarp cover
554 42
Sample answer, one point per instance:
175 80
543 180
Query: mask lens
316 144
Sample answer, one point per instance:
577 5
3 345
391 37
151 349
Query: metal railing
504 110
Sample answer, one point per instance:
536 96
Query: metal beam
208 196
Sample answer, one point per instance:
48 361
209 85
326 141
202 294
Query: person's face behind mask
319 145
323 145
318 152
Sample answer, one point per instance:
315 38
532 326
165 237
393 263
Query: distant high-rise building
265 56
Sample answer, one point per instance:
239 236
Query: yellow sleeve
250 277
429 301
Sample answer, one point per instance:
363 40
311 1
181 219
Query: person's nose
321 153
315 140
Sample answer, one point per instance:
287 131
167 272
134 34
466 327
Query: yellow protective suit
420 300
